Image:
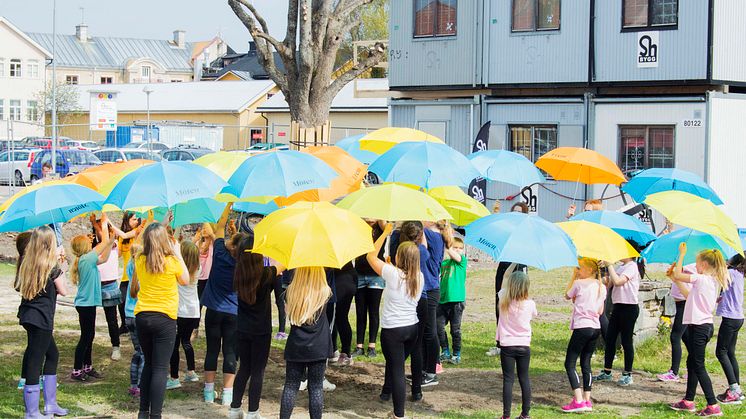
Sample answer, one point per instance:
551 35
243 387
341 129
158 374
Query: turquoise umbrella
352 146
49 204
625 225
666 248
507 167
256 207
201 210
651 181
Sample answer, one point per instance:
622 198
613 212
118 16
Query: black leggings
201 284
184 329
397 344
254 352
123 290
726 348
220 328
112 324
294 374
367 305
677 332
87 323
510 358
346 283
695 339
280 303
40 351
582 344
430 338
157 333
416 366
621 322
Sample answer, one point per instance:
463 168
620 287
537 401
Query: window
646 147
533 141
649 13
2 67
106 80
536 15
176 81
145 72
14 110
2 109
33 69
32 110
15 67
435 18
71 79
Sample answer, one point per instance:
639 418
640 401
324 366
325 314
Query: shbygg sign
647 49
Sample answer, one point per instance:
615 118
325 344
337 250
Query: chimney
222 48
252 46
81 32
180 38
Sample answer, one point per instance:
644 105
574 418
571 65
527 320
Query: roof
187 97
28 39
250 64
345 101
243 75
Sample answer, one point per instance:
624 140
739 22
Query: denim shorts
374 282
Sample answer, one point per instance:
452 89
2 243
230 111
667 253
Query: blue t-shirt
89 285
431 271
424 256
129 305
219 294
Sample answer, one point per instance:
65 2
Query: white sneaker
254 415
236 413
116 354
303 385
329 386
494 351
227 397
335 357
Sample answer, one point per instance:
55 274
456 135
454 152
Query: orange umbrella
577 164
97 176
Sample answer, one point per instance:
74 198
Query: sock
209 386
736 388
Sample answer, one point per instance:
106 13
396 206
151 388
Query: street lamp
148 90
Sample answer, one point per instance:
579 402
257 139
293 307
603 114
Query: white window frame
2 67
109 79
32 68
68 78
2 109
143 72
14 110
32 113
16 68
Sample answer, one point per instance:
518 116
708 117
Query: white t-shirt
188 302
399 309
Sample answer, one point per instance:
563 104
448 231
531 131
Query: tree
66 99
372 24
315 31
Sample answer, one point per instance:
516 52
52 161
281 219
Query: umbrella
522 238
392 202
463 208
352 146
625 225
424 164
666 248
200 210
280 173
597 241
223 163
381 140
256 207
651 181
29 189
312 234
507 167
97 176
53 203
164 184
697 213
576 164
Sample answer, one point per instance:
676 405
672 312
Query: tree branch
256 14
375 55
346 7
292 29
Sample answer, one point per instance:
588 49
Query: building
648 83
239 66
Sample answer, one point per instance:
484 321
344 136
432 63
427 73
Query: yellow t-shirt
158 292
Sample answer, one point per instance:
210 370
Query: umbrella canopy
200 210
29 189
97 176
53 203
256 207
575 164
651 181
381 140
424 164
597 241
352 146
463 208
522 238
312 234
223 163
507 167
625 225
697 213
666 248
392 202
165 184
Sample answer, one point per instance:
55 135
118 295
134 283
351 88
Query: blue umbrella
280 173
666 248
625 225
49 204
165 184
651 181
352 146
256 207
425 164
506 166
522 238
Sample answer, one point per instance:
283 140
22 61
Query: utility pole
54 86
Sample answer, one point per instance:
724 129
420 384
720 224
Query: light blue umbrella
165 184
625 225
522 238
425 164
666 248
651 181
352 146
49 204
280 173
507 167
256 207
201 210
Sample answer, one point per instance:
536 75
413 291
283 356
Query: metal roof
345 101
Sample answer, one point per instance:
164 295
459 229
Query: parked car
6 145
154 145
69 162
43 142
16 165
111 155
185 153
262 147
82 145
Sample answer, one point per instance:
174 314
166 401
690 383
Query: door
436 128
5 167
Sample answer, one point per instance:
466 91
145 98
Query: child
138 359
712 277
730 309
111 295
514 335
132 226
588 294
679 292
452 300
204 238
21 243
309 344
368 297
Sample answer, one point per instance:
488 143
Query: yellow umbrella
463 208
575 164
223 163
392 202
696 213
598 241
312 234
381 140
31 188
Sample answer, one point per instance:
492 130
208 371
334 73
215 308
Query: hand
603 264
169 218
669 271
176 246
232 227
92 217
682 248
571 211
388 229
151 216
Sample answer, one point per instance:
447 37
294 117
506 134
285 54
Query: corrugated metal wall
727 154
453 116
729 36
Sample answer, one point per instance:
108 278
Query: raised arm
372 257
184 278
454 255
104 247
280 268
615 279
59 285
220 234
678 270
507 274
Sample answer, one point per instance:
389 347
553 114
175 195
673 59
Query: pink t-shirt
109 270
588 300
205 264
675 291
627 293
702 300
514 326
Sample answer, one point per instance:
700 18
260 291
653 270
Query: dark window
533 141
171 155
646 147
649 13
71 79
435 17
106 80
536 15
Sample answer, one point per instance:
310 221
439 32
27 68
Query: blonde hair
592 264
80 245
446 231
307 295
516 291
715 259
595 204
190 254
40 258
408 260
207 237
156 247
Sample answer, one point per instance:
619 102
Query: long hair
408 260
21 243
446 232
126 227
80 245
714 258
34 270
591 264
156 247
307 295
190 254
520 206
248 273
516 291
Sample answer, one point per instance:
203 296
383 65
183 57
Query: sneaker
669 377
384 397
438 368
522 416
358 352
713 410
134 391
254 415
344 360
173 383
416 397
408 378
429 380
116 354
236 413
575 406
78 376
191 377
455 359
21 384
445 355
493 351
683 406
589 405
729 397
303 385
329 386
371 352
603 376
92 373
227 397
208 395
335 357
123 331
625 380
281 336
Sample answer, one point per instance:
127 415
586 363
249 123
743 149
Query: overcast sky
150 19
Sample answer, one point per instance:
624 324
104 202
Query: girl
588 294
368 297
712 277
205 238
109 273
345 281
404 283
309 344
679 292
131 228
21 242
138 359
84 273
158 270
730 309
253 282
187 317
514 335
39 280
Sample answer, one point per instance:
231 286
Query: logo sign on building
478 186
647 49
103 111
530 197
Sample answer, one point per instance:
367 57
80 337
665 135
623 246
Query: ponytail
80 246
715 259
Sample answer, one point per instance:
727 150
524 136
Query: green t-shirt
453 281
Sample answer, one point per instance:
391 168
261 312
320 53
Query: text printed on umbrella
487 243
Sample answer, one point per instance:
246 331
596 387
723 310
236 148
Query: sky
149 19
